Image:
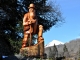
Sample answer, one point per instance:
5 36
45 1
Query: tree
55 51
12 11
65 51
50 53
79 53
65 48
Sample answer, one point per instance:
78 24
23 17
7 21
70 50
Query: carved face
31 10
32 13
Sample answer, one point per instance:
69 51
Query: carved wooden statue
30 24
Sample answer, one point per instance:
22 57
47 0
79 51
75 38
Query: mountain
56 42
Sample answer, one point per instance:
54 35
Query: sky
71 28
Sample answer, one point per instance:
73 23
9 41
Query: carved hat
31 5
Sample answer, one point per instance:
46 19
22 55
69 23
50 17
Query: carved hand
31 21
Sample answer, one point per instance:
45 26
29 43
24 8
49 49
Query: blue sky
71 28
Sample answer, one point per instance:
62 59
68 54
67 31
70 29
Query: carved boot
23 44
41 46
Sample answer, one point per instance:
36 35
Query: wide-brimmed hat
31 5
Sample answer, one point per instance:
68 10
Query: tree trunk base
36 51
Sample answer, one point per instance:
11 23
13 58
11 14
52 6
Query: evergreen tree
50 52
65 51
55 51
11 15
65 48
79 53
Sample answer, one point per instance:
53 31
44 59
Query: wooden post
30 37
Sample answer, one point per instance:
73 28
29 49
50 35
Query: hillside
72 46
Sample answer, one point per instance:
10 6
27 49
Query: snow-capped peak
56 42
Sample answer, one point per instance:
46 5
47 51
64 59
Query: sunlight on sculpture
31 27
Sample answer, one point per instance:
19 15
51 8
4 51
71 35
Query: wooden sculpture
31 27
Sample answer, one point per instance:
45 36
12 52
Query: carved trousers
27 34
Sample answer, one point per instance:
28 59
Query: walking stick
30 37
